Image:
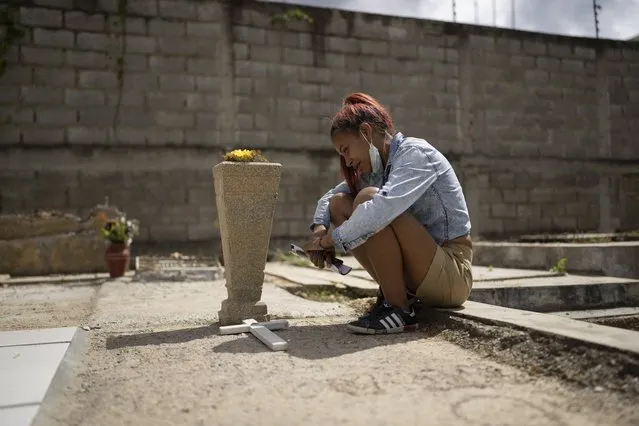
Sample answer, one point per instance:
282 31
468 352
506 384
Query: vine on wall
119 60
10 31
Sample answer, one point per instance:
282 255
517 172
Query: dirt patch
27 307
539 354
630 322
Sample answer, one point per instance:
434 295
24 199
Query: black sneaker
412 300
385 318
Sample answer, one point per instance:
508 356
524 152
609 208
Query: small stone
599 389
86 328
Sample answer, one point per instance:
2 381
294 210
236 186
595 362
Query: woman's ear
366 130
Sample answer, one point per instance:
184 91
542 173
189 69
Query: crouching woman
400 211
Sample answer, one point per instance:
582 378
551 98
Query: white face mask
376 159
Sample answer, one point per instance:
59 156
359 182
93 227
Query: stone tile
321 277
18 416
33 337
27 371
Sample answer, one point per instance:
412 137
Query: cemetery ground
146 350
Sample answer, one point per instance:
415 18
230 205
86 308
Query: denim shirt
417 179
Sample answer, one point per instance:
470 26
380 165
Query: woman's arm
322 214
413 173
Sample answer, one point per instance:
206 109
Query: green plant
291 14
10 31
560 266
120 231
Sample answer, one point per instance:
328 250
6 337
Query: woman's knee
364 195
340 205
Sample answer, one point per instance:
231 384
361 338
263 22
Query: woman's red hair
359 108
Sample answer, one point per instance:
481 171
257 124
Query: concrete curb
619 259
551 297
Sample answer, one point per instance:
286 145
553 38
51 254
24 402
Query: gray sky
619 19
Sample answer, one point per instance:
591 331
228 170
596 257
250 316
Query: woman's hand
318 255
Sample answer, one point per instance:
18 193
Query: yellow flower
245 155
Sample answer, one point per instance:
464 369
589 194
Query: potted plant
119 232
246 189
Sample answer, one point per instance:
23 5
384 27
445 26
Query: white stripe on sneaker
385 324
392 321
400 322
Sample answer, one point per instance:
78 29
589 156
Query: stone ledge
618 259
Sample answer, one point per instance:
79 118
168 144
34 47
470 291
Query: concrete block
177 82
177 9
374 48
167 232
60 4
341 44
161 27
10 114
140 44
87 135
177 46
96 41
129 98
39 17
55 116
174 119
17 75
134 117
201 66
97 79
206 120
134 62
100 117
54 77
130 136
249 35
41 56
140 81
76 20
429 53
201 102
272 54
37 95
298 56
86 60
204 29
166 100
209 11
142 7
167 63
53 38
572 66
42 136
208 84
10 95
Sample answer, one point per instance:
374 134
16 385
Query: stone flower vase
245 194
117 257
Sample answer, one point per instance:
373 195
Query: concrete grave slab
35 337
321 277
19 416
27 371
600 335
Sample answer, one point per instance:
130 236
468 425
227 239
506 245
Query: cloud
619 19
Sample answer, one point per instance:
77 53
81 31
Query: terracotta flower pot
117 257
245 194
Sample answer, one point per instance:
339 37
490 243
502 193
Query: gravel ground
157 360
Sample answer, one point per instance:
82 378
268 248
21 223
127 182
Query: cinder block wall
138 106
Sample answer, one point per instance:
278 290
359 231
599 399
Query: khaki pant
450 279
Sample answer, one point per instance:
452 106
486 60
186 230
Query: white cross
261 330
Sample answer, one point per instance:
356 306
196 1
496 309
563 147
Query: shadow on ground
305 341
182 335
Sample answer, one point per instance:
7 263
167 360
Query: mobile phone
336 266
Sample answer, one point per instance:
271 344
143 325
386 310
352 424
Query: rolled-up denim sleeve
413 173
322 215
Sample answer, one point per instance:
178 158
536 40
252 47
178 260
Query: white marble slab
35 337
27 371
18 416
